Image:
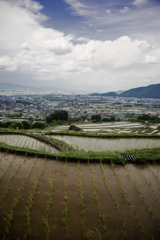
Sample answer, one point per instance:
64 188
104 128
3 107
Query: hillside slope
151 91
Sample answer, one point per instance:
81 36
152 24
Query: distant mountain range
151 91
23 88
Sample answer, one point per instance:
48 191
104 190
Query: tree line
22 125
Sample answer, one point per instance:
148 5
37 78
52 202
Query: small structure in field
75 128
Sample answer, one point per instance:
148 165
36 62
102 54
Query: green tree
26 125
112 119
96 117
144 117
39 125
16 125
57 115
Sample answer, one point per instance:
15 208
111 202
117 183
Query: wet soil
74 205
132 219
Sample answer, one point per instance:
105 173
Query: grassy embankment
101 134
71 154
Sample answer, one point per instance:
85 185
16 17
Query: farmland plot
104 144
26 142
47 199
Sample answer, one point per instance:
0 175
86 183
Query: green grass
146 155
104 134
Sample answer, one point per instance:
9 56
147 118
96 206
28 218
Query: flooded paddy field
48 199
26 142
115 127
109 144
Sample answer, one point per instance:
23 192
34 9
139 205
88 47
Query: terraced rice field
115 127
104 144
26 142
47 199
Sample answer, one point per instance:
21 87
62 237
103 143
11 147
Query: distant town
36 107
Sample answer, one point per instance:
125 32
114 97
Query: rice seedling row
30 204
85 232
115 200
65 219
141 193
155 175
149 184
101 214
9 216
49 204
17 199
129 202
46 206
9 182
7 168
26 142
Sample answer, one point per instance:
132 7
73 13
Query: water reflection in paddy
26 142
102 144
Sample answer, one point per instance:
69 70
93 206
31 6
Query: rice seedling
7 220
85 232
9 182
65 219
47 227
36 144
139 223
101 214
7 168
129 202
154 174
49 205
119 181
17 199
140 191
25 142
148 183
19 141
30 203
124 231
28 229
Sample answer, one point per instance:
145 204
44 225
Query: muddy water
73 192
26 142
101 144
108 207
133 219
94 223
102 126
137 203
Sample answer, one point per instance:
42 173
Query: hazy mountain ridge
151 91
24 88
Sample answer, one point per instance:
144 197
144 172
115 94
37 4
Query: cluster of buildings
77 105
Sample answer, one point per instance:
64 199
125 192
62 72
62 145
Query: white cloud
59 45
4 61
125 10
7 63
33 6
114 21
78 7
139 2
150 59
82 39
25 46
108 11
45 54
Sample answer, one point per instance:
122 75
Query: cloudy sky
88 45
